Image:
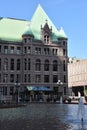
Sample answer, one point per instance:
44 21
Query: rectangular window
55 78
5 78
46 78
25 64
18 64
18 78
25 78
12 64
37 78
28 78
12 50
11 90
0 78
0 48
39 50
18 50
29 50
46 51
0 64
25 50
5 49
64 52
29 64
4 90
64 78
64 66
11 78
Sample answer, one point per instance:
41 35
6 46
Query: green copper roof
28 31
13 29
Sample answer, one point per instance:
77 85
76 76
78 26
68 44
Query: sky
69 14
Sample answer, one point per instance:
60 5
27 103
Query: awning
38 88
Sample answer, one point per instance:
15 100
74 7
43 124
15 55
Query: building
77 76
32 53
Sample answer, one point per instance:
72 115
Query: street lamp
59 82
17 85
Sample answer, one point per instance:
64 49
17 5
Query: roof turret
28 31
62 34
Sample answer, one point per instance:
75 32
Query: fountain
81 109
61 100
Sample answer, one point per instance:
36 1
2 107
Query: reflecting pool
42 116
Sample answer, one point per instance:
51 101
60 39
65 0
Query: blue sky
69 14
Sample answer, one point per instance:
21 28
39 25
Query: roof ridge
16 19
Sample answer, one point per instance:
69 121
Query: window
12 50
29 39
5 78
28 78
54 51
38 65
37 78
12 64
0 48
37 50
46 51
4 90
5 67
64 52
25 49
25 78
64 66
18 64
0 78
11 78
46 65
18 50
18 78
64 78
64 43
55 65
5 49
55 78
25 64
0 64
29 50
11 90
25 40
29 64
46 78
46 38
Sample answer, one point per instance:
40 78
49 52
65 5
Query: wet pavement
43 117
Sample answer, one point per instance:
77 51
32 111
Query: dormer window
46 33
46 38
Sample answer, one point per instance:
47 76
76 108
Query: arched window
46 65
55 65
38 65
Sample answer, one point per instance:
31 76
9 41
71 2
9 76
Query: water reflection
42 117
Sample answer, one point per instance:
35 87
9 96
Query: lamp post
59 82
17 85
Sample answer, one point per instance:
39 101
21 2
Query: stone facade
33 62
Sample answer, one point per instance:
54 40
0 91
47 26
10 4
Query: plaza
43 117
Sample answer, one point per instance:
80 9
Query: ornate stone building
33 53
